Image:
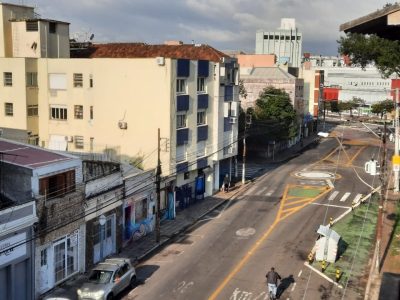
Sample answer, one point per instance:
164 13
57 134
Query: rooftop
268 73
29 156
38 19
382 23
142 50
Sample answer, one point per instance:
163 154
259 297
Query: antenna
91 37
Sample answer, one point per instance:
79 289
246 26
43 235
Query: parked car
108 279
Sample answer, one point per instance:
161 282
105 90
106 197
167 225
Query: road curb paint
322 275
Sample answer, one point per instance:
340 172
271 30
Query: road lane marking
294 286
357 198
301 271
355 155
330 205
257 244
345 196
333 195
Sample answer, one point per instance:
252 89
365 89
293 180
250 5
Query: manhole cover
245 232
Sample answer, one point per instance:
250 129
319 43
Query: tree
242 89
382 107
356 103
366 49
274 114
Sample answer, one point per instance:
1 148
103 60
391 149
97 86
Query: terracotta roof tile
141 50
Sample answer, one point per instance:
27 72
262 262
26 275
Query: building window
181 86
57 185
91 144
181 121
52 27
7 78
9 109
271 37
65 258
58 113
186 175
78 139
78 80
91 113
32 26
201 84
33 110
201 117
181 153
43 257
78 111
91 82
201 149
31 79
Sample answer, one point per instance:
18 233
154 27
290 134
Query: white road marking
345 196
330 183
270 193
333 195
301 271
357 198
294 286
331 205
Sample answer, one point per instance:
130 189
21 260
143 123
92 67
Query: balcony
202 101
182 103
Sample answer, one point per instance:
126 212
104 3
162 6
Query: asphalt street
227 254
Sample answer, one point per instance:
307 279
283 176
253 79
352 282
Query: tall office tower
285 43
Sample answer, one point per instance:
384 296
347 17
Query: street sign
396 160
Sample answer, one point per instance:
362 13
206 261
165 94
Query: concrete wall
256 60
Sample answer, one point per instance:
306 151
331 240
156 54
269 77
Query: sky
223 24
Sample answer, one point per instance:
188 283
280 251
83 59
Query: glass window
78 80
181 121
201 84
181 86
181 153
7 76
201 118
31 79
58 113
33 110
32 26
59 262
9 109
43 257
91 113
201 148
78 139
52 27
78 111
100 276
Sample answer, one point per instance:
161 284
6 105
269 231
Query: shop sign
12 248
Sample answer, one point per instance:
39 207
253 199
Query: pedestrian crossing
252 170
344 197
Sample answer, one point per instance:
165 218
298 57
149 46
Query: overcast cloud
223 24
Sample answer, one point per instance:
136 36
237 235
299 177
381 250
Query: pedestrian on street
226 183
272 280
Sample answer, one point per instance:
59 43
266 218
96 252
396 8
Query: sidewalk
141 249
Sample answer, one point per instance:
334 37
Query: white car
108 279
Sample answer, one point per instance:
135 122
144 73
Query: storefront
59 260
17 252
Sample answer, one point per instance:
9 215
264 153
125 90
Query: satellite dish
91 37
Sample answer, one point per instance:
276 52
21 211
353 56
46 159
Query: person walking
226 183
272 281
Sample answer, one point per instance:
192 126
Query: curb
323 275
165 242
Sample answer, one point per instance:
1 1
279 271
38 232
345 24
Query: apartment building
114 97
285 42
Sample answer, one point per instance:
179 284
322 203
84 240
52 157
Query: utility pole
158 183
381 200
246 122
396 158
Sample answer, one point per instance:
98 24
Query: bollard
353 205
331 222
337 274
323 266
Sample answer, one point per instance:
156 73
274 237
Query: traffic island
355 248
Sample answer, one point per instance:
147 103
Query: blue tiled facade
202 101
182 103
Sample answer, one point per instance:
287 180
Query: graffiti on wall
135 231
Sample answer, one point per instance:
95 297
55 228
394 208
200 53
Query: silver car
108 279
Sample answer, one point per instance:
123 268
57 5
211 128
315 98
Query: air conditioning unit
122 125
232 120
69 138
160 60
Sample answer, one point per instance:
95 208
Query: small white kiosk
327 245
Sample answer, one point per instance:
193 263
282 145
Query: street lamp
102 222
